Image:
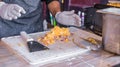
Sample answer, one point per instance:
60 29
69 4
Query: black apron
30 22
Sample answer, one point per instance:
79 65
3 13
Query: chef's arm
64 17
53 6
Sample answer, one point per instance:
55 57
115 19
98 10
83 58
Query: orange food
55 34
92 40
115 4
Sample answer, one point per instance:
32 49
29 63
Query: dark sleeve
49 1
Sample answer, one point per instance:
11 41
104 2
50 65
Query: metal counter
111 29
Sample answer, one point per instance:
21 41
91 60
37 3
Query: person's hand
68 18
10 11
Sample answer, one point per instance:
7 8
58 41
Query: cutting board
58 51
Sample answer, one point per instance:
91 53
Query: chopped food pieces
114 4
55 34
92 40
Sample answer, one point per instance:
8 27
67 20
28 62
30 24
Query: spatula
85 43
32 44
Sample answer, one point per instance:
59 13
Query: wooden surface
88 59
58 51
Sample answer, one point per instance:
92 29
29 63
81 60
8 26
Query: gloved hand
68 18
10 11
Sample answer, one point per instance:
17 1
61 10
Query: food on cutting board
57 33
92 40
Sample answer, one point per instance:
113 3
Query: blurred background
86 9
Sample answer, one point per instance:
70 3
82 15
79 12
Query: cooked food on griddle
92 40
57 33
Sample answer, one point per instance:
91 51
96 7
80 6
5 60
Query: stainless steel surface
111 31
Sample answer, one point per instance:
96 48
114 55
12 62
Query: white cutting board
57 51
